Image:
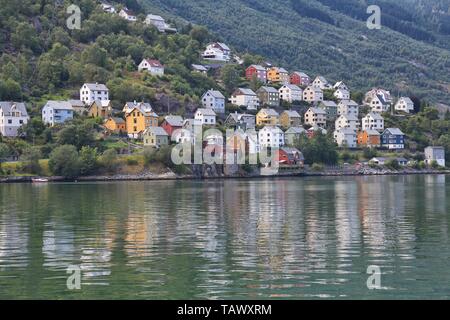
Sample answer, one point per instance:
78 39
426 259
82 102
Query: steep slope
409 54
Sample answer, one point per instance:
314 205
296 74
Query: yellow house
267 117
115 125
140 118
290 119
100 108
278 75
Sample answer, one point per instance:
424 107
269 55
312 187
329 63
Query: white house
128 15
379 104
340 85
373 121
290 93
345 137
348 107
90 92
206 116
245 98
405 104
435 154
13 115
108 8
153 66
342 94
316 117
199 68
57 112
271 137
386 95
347 121
159 23
217 51
322 83
313 94
215 100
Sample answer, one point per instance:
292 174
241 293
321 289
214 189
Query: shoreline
172 176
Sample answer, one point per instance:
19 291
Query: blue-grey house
393 139
57 112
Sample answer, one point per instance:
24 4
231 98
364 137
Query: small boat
39 180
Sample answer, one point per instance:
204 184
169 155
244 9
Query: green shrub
316 167
64 161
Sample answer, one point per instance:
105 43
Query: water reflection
283 238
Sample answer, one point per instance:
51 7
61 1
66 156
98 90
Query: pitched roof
372 132
292 114
199 67
349 117
76 103
291 151
155 17
328 103
258 67
157 131
154 63
395 131
273 128
374 115
347 131
174 121
59 105
283 70
128 12
215 93
406 100
317 110
322 79
349 103
268 89
117 120
6 106
206 112
96 86
301 74
269 111
292 87
244 91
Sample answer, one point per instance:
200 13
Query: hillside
409 55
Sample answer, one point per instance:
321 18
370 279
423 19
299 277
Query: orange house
138 119
116 125
369 138
101 109
275 74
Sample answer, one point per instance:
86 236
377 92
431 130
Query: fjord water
296 238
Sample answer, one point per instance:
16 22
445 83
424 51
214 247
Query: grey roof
7 105
328 103
282 70
292 114
322 79
215 93
381 98
270 112
199 67
406 99
59 105
206 112
258 67
395 131
155 17
372 132
157 131
350 117
268 89
347 131
76 103
301 74
96 86
317 110
350 103
375 115
275 128
245 91
174 121
118 120
292 87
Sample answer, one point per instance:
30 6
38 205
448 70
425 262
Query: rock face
200 171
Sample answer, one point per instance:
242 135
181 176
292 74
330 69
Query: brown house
116 125
102 109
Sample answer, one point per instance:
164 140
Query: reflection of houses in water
435 194
348 231
13 241
58 246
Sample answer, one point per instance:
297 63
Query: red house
258 71
172 123
300 79
290 156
